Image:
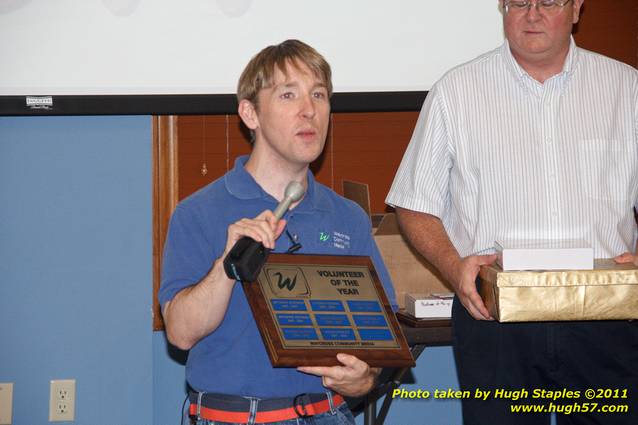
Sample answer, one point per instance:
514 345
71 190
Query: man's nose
533 12
308 107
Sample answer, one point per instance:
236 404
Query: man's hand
354 379
465 285
427 234
264 228
626 257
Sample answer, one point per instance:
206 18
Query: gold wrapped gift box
608 292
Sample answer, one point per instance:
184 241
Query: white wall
200 46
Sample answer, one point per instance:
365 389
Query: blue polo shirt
232 359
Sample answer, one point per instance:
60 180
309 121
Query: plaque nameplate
308 308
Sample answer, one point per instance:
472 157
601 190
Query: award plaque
308 308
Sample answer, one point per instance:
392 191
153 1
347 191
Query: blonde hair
260 71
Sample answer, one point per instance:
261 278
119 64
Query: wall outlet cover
62 400
6 403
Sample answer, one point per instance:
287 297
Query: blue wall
75 265
76 273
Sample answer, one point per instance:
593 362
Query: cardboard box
409 271
428 306
608 292
539 254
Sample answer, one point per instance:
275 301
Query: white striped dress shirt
497 155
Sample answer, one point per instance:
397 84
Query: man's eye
319 95
287 95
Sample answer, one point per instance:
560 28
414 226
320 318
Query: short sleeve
188 254
422 180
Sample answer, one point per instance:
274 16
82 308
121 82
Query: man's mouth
306 133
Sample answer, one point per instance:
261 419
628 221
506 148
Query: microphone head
294 191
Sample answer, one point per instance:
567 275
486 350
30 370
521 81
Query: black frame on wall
190 104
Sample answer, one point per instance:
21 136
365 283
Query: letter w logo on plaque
308 308
287 281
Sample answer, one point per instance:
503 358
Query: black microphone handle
245 259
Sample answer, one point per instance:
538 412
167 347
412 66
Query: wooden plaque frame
322 350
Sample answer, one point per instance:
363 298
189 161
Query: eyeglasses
548 7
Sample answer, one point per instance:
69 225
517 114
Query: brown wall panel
610 27
238 139
323 167
363 147
201 140
368 148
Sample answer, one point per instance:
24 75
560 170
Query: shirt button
548 141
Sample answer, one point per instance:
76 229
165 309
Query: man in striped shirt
537 139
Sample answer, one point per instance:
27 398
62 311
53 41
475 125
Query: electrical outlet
6 403
62 400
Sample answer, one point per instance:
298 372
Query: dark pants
547 356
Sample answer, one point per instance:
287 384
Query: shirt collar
572 58
568 67
242 185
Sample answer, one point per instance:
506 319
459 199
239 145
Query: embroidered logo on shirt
341 240
324 236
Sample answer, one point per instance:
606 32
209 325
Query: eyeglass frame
528 5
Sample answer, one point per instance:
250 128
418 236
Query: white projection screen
168 49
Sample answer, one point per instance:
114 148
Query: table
419 334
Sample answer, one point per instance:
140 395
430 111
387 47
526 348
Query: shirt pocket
607 168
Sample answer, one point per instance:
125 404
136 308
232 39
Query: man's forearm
198 310
428 236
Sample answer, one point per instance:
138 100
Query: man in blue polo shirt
284 99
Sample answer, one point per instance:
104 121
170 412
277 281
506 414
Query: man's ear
248 114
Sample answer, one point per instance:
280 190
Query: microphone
247 257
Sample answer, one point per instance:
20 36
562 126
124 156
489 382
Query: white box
569 254
427 306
